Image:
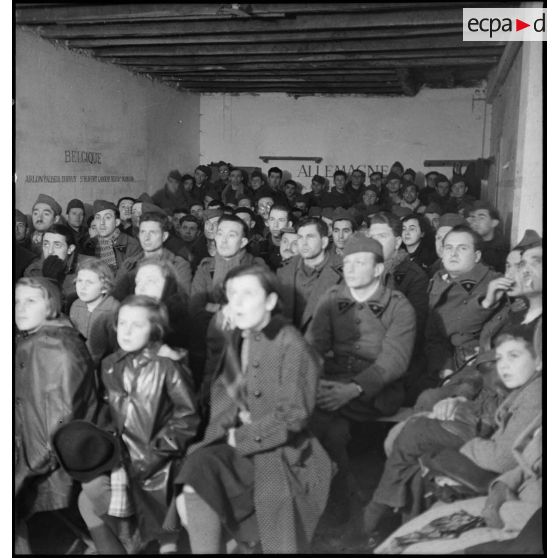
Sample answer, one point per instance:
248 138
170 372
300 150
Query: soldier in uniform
365 333
457 314
307 276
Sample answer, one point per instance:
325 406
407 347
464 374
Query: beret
433 207
75 204
147 207
400 212
212 212
393 176
328 212
174 174
20 217
451 220
343 214
319 179
441 178
361 243
530 239
51 202
101 205
205 169
123 198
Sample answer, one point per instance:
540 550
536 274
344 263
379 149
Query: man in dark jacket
110 244
365 333
307 276
484 220
455 299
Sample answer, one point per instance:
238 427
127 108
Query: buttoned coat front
292 470
370 342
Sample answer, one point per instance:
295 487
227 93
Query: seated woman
258 475
54 384
418 241
519 369
152 409
512 502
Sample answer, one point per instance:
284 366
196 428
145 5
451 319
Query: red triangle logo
519 24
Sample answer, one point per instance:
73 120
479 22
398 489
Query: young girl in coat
54 384
93 313
153 412
258 475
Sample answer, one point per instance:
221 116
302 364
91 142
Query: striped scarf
106 249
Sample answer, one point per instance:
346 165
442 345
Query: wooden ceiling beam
262 38
287 73
169 12
347 48
255 80
309 24
389 61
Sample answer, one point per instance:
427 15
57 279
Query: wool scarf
106 249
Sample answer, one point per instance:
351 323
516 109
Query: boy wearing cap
110 244
484 220
307 276
46 212
365 333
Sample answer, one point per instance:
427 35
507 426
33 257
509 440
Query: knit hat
451 220
20 217
205 169
319 179
75 204
101 205
361 243
51 202
433 207
84 450
530 239
212 212
175 175
397 164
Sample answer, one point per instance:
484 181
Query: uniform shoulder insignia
376 308
468 284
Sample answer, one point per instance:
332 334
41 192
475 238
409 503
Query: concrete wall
343 130
68 102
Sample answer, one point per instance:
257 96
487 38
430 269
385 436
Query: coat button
257 337
257 393
257 439
360 306
256 364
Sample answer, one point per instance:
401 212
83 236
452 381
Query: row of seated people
366 339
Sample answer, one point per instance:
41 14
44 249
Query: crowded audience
199 361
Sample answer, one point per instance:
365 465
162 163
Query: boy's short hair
320 225
98 266
157 218
158 314
477 239
235 219
276 170
65 231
